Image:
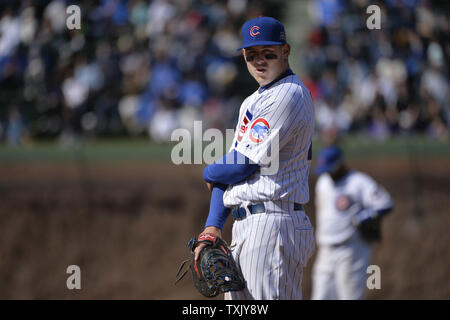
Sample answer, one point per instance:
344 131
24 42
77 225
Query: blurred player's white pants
339 271
272 249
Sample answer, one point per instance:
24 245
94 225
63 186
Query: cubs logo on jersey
343 202
259 130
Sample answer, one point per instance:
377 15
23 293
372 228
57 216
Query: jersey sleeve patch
243 126
259 130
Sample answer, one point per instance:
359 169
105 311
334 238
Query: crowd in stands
148 67
381 82
135 67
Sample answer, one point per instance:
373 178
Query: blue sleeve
232 168
218 213
370 214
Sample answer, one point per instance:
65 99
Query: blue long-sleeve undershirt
218 213
232 168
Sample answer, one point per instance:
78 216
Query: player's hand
209 185
211 230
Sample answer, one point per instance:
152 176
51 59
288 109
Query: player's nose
260 61
259 58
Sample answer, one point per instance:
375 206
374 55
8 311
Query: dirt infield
126 226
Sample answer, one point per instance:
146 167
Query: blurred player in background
349 208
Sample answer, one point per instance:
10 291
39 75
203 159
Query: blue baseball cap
329 159
262 31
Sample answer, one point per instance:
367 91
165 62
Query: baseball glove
370 230
215 270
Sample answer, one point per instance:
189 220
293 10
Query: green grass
144 150
93 151
399 146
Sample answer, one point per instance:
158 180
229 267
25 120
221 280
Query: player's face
266 63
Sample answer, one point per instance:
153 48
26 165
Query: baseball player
349 209
272 237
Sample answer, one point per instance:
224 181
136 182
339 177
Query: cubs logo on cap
254 31
262 31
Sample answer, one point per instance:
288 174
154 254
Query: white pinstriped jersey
284 111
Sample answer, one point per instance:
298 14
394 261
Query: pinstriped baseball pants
339 272
272 250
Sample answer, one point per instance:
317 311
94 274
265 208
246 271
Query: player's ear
286 50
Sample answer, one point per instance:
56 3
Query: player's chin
261 77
